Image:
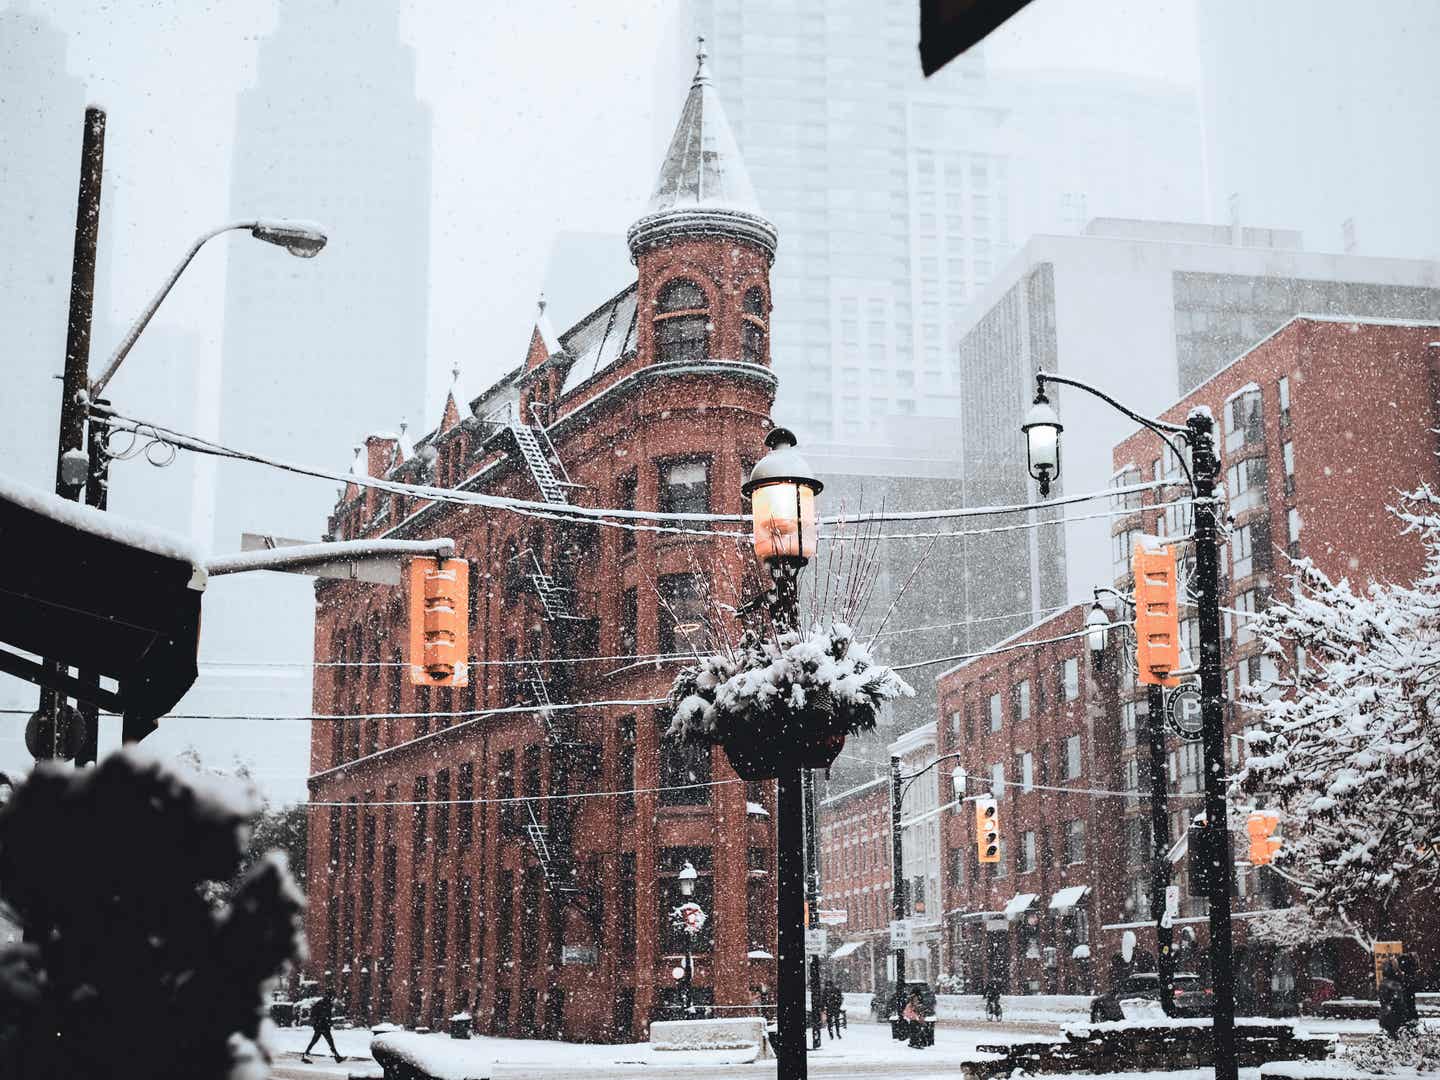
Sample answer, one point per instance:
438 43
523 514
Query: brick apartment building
455 860
855 859
1320 426
1028 724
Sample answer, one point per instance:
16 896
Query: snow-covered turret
703 189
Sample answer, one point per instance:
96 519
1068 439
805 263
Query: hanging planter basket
783 704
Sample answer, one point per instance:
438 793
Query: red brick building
1030 724
523 865
1319 426
855 858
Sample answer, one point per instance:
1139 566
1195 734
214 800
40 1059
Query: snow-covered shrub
127 969
1348 742
1412 1048
949 984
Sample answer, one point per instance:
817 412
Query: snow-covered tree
1348 742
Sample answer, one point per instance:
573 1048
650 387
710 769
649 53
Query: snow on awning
759 954
846 949
1018 904
1068 897
754 809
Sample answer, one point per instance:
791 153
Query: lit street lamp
1042 437
1097 627
782 489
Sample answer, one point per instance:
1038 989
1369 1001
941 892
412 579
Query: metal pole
790 858
897 881
790 966
812 888
75 386
1159 846
97 494
689 976
1206 469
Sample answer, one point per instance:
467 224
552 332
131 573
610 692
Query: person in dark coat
321 1015
1409 977
1393 1015
1106 1008
914 1016
992 1001
834 1003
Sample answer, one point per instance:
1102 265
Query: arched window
682 325
752 326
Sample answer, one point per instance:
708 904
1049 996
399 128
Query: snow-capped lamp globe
1097 628
687 878
1042 429
782 489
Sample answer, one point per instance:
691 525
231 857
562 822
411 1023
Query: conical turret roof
703 188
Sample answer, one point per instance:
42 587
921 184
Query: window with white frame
1129 476
1070 678
1287 453
1027 771
1027 856
997 716
1247 605
1022 700
1292 527
1284 394
1074 842
1073 765
1121 545
997 780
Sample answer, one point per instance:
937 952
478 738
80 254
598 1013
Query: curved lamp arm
916 776
301 240
1162 428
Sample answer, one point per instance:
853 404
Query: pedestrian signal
987 830
1157 614
1261 826
439 622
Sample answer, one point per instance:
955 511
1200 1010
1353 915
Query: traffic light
1157 614
439 622
1261 825
987 830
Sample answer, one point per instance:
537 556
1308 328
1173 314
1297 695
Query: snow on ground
862 1044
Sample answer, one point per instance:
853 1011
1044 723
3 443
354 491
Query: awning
846 949
1068 897
1019 904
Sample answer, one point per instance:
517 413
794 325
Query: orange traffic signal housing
1157 614
987 830
439 622
1261 826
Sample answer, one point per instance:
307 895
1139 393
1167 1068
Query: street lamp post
82 463
782 489
1042 431
687 890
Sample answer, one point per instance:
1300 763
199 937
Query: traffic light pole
1159 845
897 880
1200 427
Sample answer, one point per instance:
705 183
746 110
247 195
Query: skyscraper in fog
898 197
1320 115
42 110
318 352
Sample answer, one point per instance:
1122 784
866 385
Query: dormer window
752 326
682 322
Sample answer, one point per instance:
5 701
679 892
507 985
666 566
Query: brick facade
526 882
855 860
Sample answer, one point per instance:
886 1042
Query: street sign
816 941
1185 712
1172 905
833 916
899 934
1384 951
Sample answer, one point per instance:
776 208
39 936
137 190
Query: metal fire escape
554 598
556 855
542 458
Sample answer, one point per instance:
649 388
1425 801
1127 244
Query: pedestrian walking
915 1025
834 1006
1393 1014
992 1001
321 1015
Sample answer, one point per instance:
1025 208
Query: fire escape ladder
556 856
552 487
554 598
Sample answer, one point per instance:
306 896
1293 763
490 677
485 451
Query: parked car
1191 997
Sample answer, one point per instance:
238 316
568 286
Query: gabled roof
601 338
